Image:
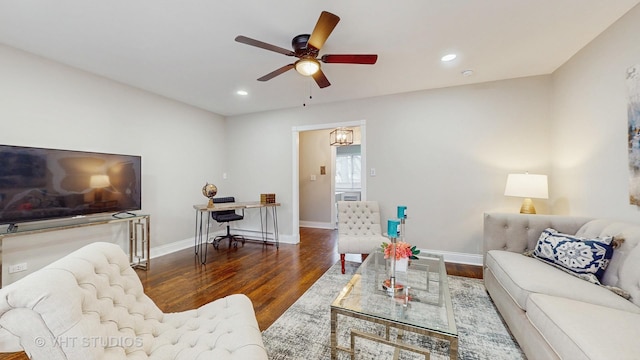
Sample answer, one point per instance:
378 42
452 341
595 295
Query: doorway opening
348 183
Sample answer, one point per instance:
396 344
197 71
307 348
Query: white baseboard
449 256
257 235
317 225
160 250
458 258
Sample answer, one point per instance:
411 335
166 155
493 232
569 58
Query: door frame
295 144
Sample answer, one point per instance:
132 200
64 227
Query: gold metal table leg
381 340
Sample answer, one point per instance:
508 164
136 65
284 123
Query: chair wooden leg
342 262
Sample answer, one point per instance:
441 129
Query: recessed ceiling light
448 57
242 92
467 72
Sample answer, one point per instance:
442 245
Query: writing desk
264 224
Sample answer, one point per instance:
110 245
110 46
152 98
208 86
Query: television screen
38 184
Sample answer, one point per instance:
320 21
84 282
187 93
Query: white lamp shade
307 66
99 181
527 186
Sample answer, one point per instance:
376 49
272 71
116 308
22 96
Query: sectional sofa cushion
577 330
564 317
584 257
522 276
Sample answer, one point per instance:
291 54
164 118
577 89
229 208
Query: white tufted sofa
555 315
91 305
359 230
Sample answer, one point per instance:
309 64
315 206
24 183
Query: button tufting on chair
93 293
359 229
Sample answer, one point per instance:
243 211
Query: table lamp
527 186
99 182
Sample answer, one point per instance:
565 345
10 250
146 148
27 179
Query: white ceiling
185 50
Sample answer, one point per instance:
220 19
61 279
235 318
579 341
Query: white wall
45 104
590 164
443 153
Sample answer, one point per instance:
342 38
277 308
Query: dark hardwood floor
272 279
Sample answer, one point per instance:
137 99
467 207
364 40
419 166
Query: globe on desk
209 191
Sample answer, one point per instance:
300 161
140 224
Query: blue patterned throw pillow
585 258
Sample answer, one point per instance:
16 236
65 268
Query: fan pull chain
310 95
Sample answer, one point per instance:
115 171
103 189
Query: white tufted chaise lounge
359 230
91 305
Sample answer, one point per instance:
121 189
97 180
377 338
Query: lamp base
210 204
527 207
98 195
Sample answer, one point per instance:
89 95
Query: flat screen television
39 184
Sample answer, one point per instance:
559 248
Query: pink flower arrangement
403 250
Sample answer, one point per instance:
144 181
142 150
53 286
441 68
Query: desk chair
227 216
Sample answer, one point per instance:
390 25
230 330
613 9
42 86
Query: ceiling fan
306 48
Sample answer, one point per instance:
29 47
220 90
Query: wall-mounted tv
38 184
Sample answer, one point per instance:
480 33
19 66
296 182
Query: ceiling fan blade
325 25
350 59
277 72
263 45
321 79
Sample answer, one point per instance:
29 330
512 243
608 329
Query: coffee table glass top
423 301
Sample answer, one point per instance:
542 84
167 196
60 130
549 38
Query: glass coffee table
420 304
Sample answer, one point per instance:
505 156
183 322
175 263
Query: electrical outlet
17 268
372 172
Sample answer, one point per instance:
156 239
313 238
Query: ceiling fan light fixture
306 47
307 66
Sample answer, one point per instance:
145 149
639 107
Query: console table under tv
139 234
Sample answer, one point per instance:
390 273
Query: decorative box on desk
268 198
